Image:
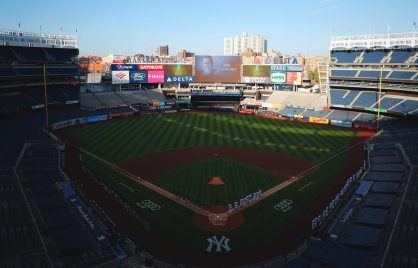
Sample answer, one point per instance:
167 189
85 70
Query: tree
314 75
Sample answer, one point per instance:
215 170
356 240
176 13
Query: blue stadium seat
341 97
366 99
343 73
405 75
30 71
7 72
62 71
345 116
387 103
373 56
345 56
365 117
372 74
406 106
401 56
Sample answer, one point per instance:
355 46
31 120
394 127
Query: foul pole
379 98
46 100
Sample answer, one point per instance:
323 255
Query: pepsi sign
179 79
138 77
124 67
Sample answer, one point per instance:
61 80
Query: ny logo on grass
221 244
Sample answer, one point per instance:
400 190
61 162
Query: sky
140 26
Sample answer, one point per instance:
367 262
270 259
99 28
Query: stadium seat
401 56
373 56
345 56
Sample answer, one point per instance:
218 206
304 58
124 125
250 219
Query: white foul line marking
300 190
126 186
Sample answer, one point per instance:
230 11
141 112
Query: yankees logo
148 204
221 244
284 205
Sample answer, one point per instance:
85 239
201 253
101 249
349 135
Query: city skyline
305 27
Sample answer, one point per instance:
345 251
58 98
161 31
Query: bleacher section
72 228
404 75
342 97
114 99
401 56
22 75
366 99
21 244
345 56
343 73
359 71
296 99
373 56
375 74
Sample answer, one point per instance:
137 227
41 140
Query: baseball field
173 169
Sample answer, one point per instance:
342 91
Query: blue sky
139 26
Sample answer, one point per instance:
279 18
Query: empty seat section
405 75
62 71
373 56
366 99
387 103
343 73
372 74
345 116
341 97
35 71
7 72
401 56
345 56
406 106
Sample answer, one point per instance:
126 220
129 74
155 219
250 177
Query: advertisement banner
120 77
151 67
255 80
156 76
341 123
118 58
178 70
287 68
294 78
319 120
256 71
278 77
221 69
179 79
124 67
138 77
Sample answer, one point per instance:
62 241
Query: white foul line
300 189
126 186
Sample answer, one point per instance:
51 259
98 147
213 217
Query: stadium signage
318 120
121 67
179 79
138 77
120 77
287 68
258 80
278 77
156 76
150 67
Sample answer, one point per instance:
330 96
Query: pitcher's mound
217 180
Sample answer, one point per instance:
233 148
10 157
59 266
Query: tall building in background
239 44
162 51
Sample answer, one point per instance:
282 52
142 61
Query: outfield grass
122 140
126 139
